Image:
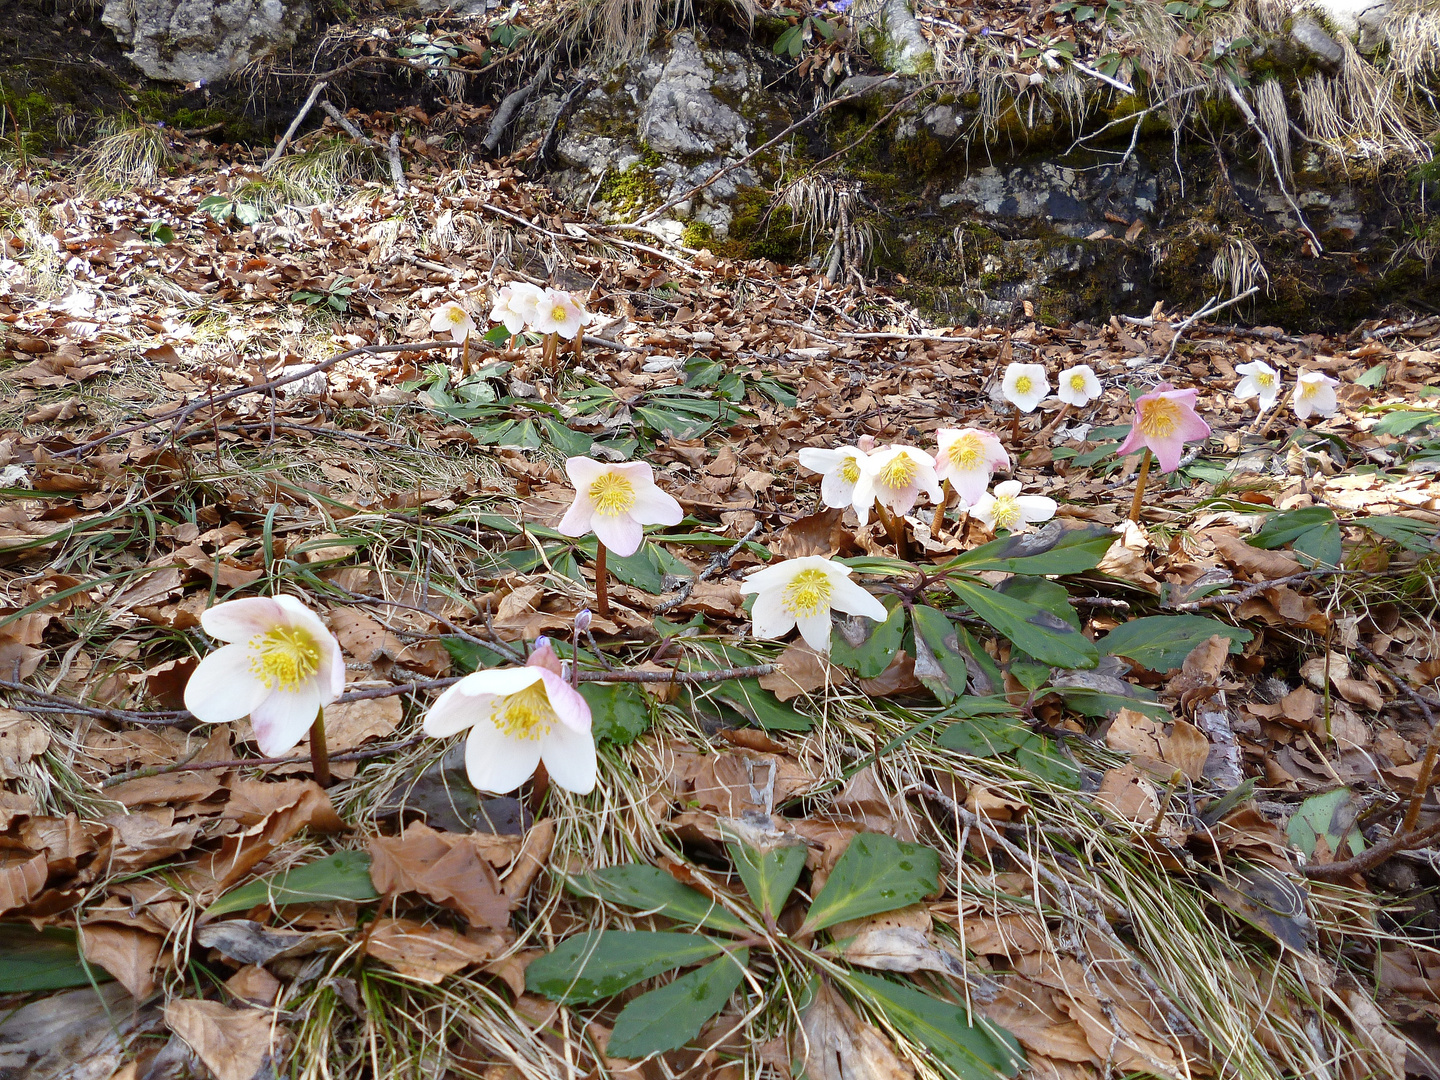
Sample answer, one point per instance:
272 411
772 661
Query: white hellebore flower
616 502
840 470
515 305
1025 386
895 477
1008 509
1078 386
803 592
280 668
557 312
967 458
519 717
450 318
1261 381
1314 395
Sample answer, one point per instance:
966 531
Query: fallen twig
247 763
572 101
720 562
1256 588
1205 312
1250 118
315 92
184 412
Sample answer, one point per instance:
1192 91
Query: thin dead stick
315 92
1250 118
184 412
1373 856
247 763
716 565
1140 479
397 167
1256 588
1432 743
1204 313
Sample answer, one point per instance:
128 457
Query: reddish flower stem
319 752
602 583
1140 479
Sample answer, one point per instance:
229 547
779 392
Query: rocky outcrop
187 41
891 35
655 127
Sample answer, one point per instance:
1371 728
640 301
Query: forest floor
1136 797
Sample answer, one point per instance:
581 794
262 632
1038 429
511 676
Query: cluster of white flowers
518 307
1314 393
896 476
1026 385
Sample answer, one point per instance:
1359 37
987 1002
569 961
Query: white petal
815 629
569 758
240 620
656 507
584 471
496 762
1008 487
223 688
769 616
282 719
453 712
836 492
1037 507
772 577
820 460
851 598
984 510
863 498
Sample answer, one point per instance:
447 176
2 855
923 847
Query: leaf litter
1073 815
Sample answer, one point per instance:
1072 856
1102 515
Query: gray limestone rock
663 123
188 41
891 34
1312 37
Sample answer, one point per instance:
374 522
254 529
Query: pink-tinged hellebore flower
450 318
616 502
1025 386
895 477
557 312
515 306
967 458
519 717
1165 420
1314 395
1008 509
802 592
840 471
1261 381
280 668
1078 386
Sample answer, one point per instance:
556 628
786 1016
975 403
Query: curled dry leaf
235 1044
450 870
21 739
429 953
128 954
800 670
841 1046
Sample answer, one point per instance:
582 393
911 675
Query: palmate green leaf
650 889
1051 550
970 1046
1030 628
1331 814
47 959
873 655
769 875
599 964
668 1018
619 713
1161 642
342 876
877 873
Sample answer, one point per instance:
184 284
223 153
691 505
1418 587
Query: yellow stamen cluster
850 471
1024 385
1265 379
808 593
1309 389
613 494
1007 512
527 714
559 314
968 452
1159 419
899 472
1077 383
284 657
